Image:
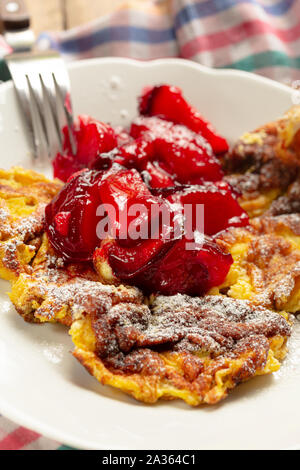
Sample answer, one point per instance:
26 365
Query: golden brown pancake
264 163
54 292
195 349
72 294
266 268
23 197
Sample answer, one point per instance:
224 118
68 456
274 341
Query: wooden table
63 14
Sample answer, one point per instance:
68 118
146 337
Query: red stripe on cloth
237 34
4 47
17 439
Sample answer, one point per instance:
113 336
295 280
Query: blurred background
57 15
261 36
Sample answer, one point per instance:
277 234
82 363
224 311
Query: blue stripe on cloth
212 7
112 34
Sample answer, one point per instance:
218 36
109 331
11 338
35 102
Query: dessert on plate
162 302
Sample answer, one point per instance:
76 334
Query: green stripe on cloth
65 448
265 59
4 73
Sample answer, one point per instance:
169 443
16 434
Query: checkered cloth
261 36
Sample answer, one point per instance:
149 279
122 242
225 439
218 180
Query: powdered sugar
4 215
214 324
57 289
214 319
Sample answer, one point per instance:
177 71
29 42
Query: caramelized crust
180 347
288 203
263 163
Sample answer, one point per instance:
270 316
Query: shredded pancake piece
266 268
54 291
263 163
23 197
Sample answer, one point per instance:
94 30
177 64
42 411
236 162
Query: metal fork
43 88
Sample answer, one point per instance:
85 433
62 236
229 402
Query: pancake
54 292
149 363
266 268
264 163
23 197
202 370
195 349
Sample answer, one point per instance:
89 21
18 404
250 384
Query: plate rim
24 419
243 74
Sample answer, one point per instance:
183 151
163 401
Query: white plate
44 388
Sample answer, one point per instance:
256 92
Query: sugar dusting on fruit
169 157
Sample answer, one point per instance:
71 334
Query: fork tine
64 109
44 98
52 132
40 140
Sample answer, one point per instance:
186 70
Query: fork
43 88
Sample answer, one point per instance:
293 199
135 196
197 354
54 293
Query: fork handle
14 15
